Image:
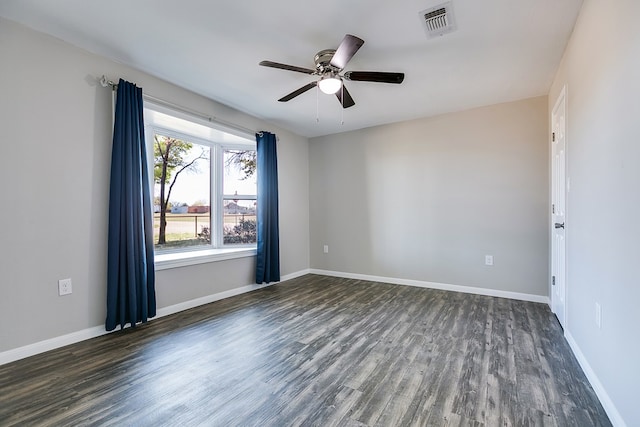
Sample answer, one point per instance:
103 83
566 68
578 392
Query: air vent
438 20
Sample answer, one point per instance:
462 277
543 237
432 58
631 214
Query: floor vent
438 20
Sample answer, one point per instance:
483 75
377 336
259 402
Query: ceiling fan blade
374 76
300 91
348 47
287 67
345 97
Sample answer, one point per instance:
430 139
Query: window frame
222 197
216 250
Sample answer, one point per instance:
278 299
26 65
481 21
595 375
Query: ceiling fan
329 65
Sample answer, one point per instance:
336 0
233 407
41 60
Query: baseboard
176 308
295 275
96 331
605 400
50 344
433 285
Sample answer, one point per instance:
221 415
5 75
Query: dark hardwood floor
315 351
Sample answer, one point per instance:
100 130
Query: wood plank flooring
315 351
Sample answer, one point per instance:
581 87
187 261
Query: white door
558 208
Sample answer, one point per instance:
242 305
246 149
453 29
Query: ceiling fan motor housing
323 59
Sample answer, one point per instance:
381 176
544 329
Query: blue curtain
268 257
131 296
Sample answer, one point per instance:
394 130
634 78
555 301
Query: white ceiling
503 50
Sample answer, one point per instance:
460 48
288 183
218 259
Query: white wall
601 69
427 199
55 122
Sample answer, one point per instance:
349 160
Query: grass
181 244
189 239
204 218
172 237
178 240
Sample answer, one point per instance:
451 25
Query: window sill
183 259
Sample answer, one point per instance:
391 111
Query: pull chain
317 104
342 112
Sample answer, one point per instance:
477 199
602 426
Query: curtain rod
110 83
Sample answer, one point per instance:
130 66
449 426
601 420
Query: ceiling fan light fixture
329 84
329 64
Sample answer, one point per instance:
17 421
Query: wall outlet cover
64 287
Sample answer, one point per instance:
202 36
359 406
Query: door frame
562 96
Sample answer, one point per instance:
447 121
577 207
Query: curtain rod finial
106 82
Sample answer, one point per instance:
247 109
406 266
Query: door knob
559 225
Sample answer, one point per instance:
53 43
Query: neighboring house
179 209
198 209
232 208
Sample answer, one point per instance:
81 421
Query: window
204 189
239 196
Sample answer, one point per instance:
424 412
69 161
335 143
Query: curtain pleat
130 267
268 246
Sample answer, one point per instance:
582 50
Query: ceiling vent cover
438 20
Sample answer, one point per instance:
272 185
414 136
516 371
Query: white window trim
168 260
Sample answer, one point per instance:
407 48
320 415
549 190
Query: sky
193 186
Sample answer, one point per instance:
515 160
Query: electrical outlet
598 315
488 260
326 249
64 287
